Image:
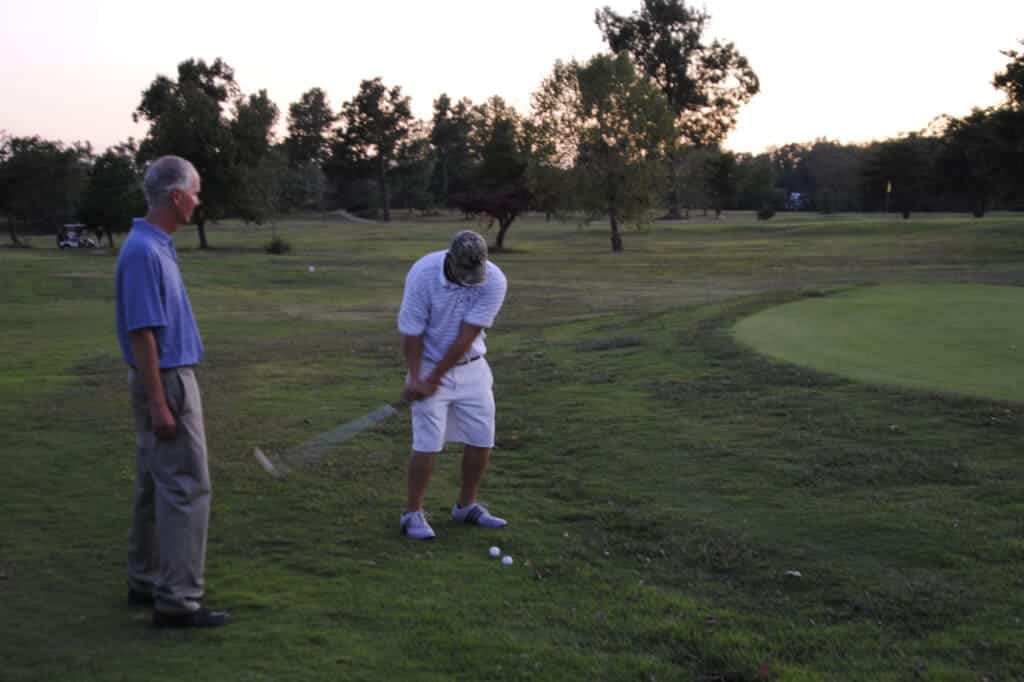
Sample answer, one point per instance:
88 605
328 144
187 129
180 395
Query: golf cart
75 236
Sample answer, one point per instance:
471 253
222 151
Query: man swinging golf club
450 298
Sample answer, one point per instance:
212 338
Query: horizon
86 75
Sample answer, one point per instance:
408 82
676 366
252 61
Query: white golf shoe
415 526
477 515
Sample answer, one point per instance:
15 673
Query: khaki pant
170 515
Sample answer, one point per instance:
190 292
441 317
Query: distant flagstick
313 450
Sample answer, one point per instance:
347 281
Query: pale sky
845 70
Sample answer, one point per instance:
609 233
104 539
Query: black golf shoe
200 618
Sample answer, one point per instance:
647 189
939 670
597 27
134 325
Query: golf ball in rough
312 268
494 552
507 560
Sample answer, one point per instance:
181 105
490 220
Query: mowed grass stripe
959 338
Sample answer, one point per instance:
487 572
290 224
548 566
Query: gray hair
165 175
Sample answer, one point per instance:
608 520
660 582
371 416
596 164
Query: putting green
960 338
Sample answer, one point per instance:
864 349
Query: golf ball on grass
507 560
494 552
312 268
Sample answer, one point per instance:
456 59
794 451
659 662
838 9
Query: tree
309 125
415 167
1011 81
187 118
500 185
704 84
260 170
610 125
114 193
971 160
304 187
755 182
547 182
898 170
451 128
720 168
377 120
1008 124
836 175
41 181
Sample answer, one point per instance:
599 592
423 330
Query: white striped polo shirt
435 308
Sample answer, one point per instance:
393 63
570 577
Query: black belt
468 360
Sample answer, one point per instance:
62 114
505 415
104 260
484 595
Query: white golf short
461 411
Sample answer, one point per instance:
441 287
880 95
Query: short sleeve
487 306
415 310
142 293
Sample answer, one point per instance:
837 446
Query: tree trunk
673 194
200 217
616 237
13 231
503 225
385 197
444 178
110 238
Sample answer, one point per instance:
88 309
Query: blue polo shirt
151 293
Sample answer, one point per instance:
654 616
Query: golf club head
278 470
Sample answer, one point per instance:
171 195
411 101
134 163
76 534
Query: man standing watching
160 342
450 298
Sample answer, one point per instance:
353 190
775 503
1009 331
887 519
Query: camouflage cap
468 258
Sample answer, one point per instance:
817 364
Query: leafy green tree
377 121
114 193
203 117
755 182
253 127
705 84
187 118
262 187
41 181
720 170
310 121
259 168
548 183
1011 81
898 170
1008 124
691 177
500 184
304 187
836 175
612 126
451 128
790 171
484 117
971 160
415 167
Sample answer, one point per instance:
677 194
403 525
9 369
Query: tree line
626 135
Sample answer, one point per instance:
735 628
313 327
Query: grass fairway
955 337
681 507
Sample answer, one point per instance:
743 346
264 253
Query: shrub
277 246
765 212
